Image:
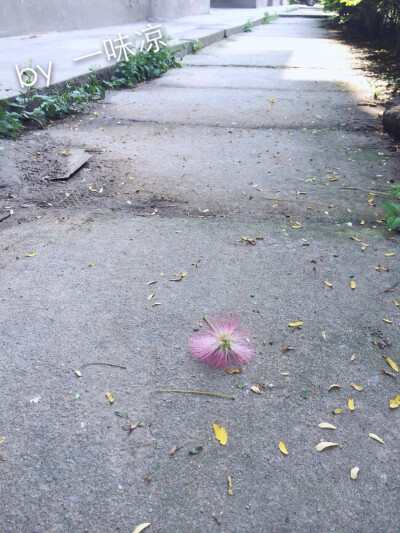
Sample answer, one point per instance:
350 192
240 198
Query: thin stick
196 392
105 364
279 199
209 323
366 190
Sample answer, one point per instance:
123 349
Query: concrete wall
247 3
24 17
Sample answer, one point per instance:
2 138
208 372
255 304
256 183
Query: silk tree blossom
222 343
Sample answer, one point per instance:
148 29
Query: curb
391 116
182 46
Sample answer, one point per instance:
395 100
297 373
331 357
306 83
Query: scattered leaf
333 387
395 403
396 303
337 411
175 449
387 320
230 486
141 527
354 472
297 226
110 397
352 357
151 282
151 296
196 450
287 348
326 425
295 324
220 434
282 448
78 373
65 153
31 255
352 284
321 446
92 264
350 404
76 397
256 389
392 374
357 387
328 283
324 335
120 414
95 113
389 254
233 370
392 364
304 394
284 373
375 437
2 439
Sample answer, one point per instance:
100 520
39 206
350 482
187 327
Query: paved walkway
259 135
63 47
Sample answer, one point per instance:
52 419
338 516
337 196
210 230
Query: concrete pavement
258 135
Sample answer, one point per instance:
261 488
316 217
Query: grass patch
29 108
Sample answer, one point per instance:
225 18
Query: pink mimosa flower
222 343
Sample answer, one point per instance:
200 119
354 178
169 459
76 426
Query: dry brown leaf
333 387
234 370
230 486
174 449
287 348
392 374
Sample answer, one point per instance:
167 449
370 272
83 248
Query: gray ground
198 154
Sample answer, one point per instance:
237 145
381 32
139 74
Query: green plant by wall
267 18
392 209
248 26
197 46
76 98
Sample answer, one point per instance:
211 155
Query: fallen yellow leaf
396 303
357 387
333 386
230 486
65 153
352 357
337 411
328 283
110 397
352 284
321 446
387 320
389 254
78 373
297 226
350 404
151 296
141 527
282 448
220 434
354 472
375 437
394 404
326 425
31 255
256 389
2 439
233 370
95 113
295 324
391 363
